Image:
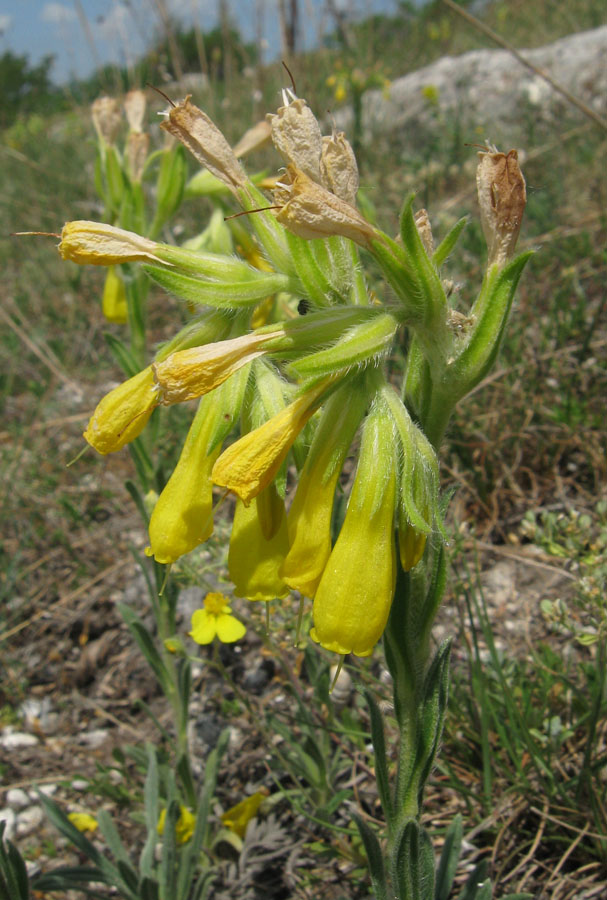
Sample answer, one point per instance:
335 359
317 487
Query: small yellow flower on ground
83 821
184 828
238 817
215 620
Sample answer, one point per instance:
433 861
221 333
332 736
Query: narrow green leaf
449 859
381 762
448 243
374 859
152 812
112 839
146 644
475 882
412 866
226 295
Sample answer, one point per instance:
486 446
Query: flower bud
107 119
296 135
206 142
136 153
502 198
311 211
134 107
98 244
114 304
338 169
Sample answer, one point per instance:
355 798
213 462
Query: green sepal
360 345
114 178
449 859
205 184
381 762
122 355
225 295
375 860
215 238
412 863
169 187
227 401
270 234
446 246
490 312
423 268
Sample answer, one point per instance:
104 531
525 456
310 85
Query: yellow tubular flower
85 242
114 298
215 620
183 515
187 374
123 413
355 593
184 829
238 817
258 546
311 511
250 464
83 821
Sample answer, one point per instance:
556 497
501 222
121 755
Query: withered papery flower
338 169
422 222
296 135
107 118
136 152
502 198
134 107
205 142
311 211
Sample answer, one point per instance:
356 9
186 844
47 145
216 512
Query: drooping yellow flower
250 464
184 829
123 413
98 244
258 546
215 621
310 514
238 817
83 821
355 593
183 515
114 298
187 374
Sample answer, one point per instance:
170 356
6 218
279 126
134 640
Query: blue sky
83 33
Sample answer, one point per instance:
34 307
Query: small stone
94 738
28 820
16 739
17 798
80 784
48 789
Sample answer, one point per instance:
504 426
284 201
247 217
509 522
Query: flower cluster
304 386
